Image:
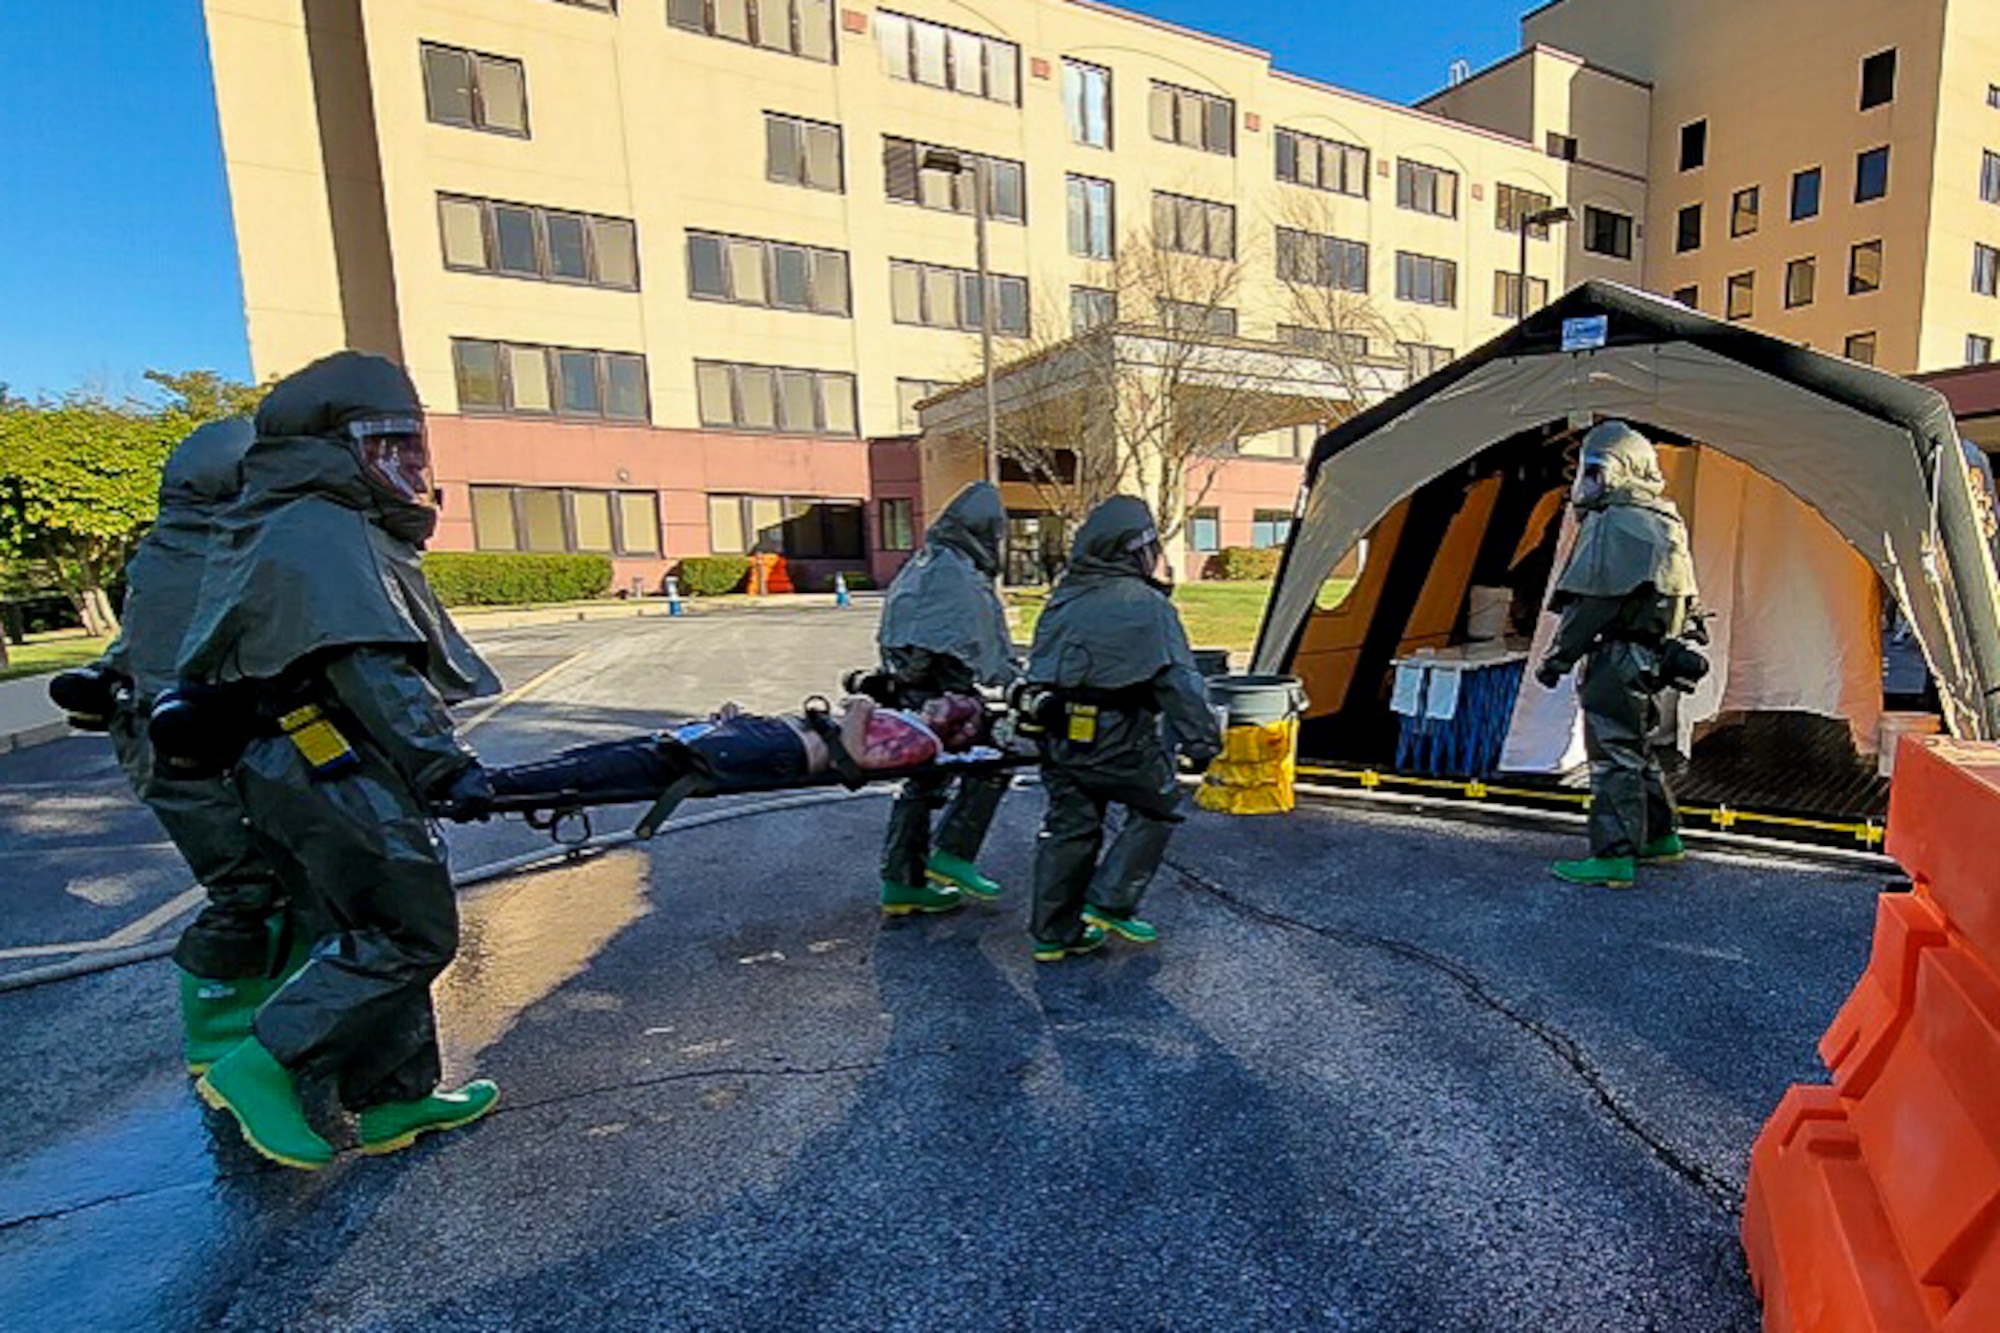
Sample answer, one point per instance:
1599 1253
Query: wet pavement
1382 1074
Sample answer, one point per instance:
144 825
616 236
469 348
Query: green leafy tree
79 482
205 395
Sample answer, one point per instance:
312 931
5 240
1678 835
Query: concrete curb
33 736
472 619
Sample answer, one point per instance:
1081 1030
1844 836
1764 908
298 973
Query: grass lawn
1217 615
51 652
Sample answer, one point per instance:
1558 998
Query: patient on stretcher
738 751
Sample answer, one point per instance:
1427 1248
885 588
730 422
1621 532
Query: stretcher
556 795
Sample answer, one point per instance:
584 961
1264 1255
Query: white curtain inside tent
1795 618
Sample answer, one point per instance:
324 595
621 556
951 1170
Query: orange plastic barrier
1874 1203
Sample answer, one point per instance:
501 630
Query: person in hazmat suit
1625 596
243 942
318 635
1110 663
944 632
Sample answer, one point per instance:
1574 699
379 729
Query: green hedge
1243 564
497 578
858 580
712 575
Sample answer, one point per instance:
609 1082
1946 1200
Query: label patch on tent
1586 334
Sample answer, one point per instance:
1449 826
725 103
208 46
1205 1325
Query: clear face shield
1590 482
1146 553
395 457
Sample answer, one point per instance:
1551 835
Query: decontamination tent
1812 482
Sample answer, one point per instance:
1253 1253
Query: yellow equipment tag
1083 724
318 740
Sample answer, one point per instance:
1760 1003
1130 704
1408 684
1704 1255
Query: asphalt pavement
1382 1073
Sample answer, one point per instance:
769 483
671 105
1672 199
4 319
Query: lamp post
944 159
1547 217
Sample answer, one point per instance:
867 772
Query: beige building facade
672 275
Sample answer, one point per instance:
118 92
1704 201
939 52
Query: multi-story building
1827 171
672 275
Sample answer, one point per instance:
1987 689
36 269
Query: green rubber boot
961 874
902 899
1090 941
1612 872
1124 927
1664 850
396 1125
251 1085
215 1016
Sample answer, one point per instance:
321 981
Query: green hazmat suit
1626 589
315 597
231 938
944 631
1110 639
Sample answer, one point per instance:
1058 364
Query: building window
918 51
1087 103
1561 146
1216 321
1864 268
1607 233
541 518
802 152
1878 79
1989 177
948 298
1270 527
527 379
478 92
1740 296
1194 226
1511 204
1090 308
1978 349
1993 95
1205 529
907 180
1344 348
1422 188
798 527
782 399
1743 211
896 522
746 271
1687 231
1092 222
908 394
1421 359
1805 194
1801 277
1861 347
1425 280
1322 164
1694 145
1871 174
1507 295
1985 270
795 27
523 241
601 6
1192 119
1313 260
1689 297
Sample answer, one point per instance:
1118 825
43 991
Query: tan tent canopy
1874 456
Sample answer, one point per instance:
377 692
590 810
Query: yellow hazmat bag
1256 772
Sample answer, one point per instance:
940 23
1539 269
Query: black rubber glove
88 694
467 796
1198 757
1549 675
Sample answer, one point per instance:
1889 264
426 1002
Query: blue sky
116 253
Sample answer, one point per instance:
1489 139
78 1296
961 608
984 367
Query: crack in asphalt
559 1099
1725 1195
